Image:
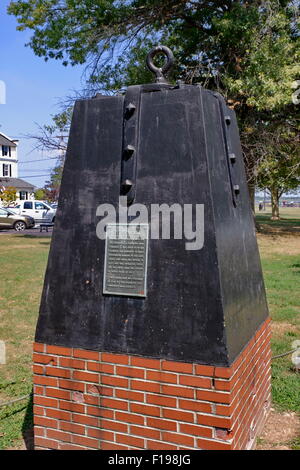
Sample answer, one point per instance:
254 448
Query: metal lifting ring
160 72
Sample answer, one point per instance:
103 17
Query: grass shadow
34 237
282 222
27 426
296 267
283 226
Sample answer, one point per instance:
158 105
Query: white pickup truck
39 210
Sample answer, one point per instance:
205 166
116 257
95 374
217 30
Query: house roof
17 183
4 140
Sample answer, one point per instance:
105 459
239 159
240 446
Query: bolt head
129 110
126 186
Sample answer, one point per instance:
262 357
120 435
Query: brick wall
90 400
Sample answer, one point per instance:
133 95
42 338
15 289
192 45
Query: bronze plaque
125 265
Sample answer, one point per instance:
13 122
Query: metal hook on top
160 72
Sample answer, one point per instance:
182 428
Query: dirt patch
279 431
20 247
280 328
281 244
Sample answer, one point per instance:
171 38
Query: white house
9 169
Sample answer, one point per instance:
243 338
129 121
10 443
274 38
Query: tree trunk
275 204
251 188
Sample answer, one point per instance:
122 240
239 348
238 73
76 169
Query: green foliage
61 122
280 167
280 171
65 30
52 186
248 51
271 143
8 195
268 61
40 194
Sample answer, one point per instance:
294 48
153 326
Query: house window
6 170
6 151
23 195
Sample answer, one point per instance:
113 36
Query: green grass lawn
282 280
288 216
22 265
279 243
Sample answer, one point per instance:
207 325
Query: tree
272 151
52 187
279 176
8 195
247 48
248 51
54 139
279 170
40 194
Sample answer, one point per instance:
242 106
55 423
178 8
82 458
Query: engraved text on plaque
125 268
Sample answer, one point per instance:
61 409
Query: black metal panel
73 280
181 159
242 286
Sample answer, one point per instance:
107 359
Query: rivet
129 110
126 186
128 151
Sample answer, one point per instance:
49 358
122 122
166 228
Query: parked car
39 210
9 219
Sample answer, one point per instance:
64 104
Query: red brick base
90 400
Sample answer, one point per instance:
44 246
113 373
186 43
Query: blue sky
33 90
